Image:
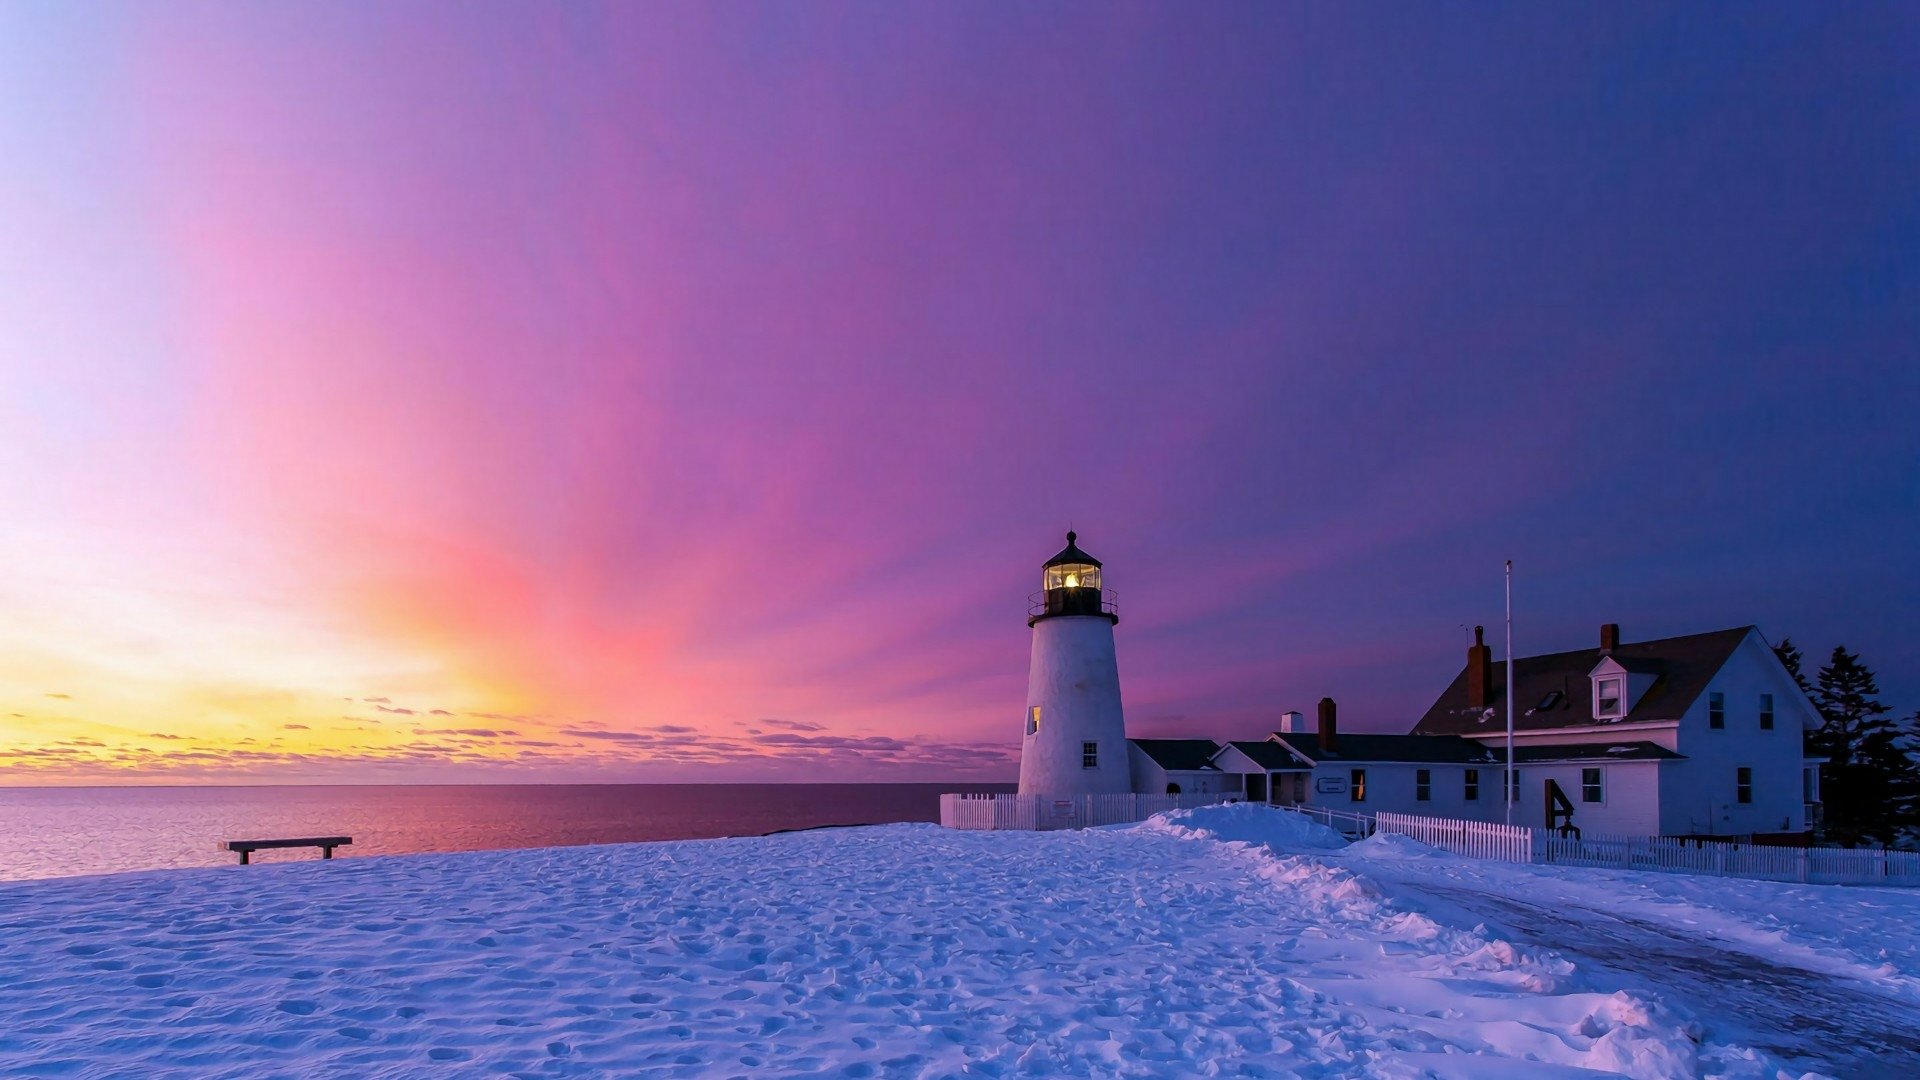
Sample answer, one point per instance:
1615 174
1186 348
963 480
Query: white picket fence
1514 843
1829 866
1476 839
1032 812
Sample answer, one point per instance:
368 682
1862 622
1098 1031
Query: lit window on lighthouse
1033 720
1073 576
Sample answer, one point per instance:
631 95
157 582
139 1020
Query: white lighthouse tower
1076 737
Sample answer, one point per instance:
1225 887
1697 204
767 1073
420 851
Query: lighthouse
1076 737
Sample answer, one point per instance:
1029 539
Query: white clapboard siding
1030 812
1475 839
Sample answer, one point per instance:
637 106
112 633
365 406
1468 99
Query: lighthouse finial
1071 536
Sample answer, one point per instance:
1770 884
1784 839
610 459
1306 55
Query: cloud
475 732
294 727
793 725
399 711
615 736
438 712
674 729
61 697
843 742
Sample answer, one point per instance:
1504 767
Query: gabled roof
1682 667
1268 755
1622 751
1633 664
1421 749
1180 755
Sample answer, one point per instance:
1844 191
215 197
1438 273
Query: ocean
55 832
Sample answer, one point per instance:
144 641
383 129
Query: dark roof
1179 754
1682 666
1625 751
1268 755
1070 554
1414 748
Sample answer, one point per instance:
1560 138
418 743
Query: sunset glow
693 392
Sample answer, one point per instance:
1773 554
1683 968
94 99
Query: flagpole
1510 784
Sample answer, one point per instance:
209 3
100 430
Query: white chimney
1293 723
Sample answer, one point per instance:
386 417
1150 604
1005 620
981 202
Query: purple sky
700 366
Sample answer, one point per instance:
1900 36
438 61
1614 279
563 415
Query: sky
449 392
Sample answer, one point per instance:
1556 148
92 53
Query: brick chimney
1479 671
1609 636
1328 729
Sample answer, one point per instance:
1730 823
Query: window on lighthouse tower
1073 576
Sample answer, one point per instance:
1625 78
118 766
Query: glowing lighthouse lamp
1076 736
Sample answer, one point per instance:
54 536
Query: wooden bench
326 844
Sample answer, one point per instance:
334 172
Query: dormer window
1609 698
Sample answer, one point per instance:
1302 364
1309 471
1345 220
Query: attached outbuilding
1178 767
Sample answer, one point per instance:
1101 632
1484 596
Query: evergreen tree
1871 781
1789 655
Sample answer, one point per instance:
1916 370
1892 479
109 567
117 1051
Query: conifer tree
1871 781
1789 655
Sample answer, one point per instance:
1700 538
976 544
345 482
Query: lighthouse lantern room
1076 738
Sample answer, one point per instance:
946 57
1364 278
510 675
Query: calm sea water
50 832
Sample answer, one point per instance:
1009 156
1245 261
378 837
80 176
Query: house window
1033 720
1472 793
1173 789
1743 784
1591 789
1716 710
1357 785
1299 788
1606 699
1423 785
1513 785
1089 755
1766 712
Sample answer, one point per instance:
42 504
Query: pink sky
691 392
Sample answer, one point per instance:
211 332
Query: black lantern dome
1070 585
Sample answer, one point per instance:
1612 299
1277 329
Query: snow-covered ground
1823 977
1228 941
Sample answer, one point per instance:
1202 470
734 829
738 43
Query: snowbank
891 951
1395 846
1250 823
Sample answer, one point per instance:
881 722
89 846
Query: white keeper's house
1701 735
